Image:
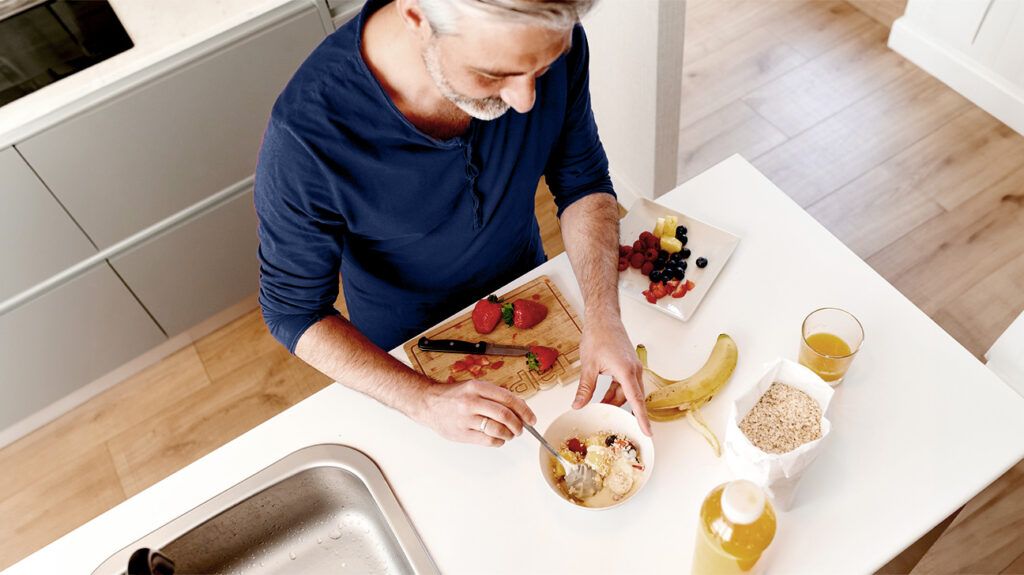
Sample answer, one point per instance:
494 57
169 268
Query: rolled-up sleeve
300 241
578 165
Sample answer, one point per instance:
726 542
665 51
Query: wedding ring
483 425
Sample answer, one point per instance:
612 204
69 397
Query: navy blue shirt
418 227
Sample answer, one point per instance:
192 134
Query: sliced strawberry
458 366
524 313
484 361
540 358
576 446
487 314
659 290
497 364
650 296
683 288
451 379
476 370
672 284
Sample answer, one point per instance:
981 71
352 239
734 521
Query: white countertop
158 28
919 427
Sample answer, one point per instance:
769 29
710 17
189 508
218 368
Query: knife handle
451 346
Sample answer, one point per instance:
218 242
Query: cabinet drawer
38 238
197 269
67 338
162 146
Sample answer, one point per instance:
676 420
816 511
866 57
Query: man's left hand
605 348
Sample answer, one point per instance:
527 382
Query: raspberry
638 246
636 260
647 268
623 264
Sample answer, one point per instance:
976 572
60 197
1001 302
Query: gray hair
555 14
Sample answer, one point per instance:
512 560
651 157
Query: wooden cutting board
561 329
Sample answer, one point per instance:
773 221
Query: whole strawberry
487 314
524 313
540 358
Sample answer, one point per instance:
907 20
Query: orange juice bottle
737 523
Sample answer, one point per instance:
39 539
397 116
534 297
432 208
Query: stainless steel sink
322 509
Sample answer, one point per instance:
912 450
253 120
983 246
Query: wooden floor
925 186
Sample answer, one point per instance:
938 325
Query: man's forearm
590 231
336 348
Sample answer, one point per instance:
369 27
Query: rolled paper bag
788 429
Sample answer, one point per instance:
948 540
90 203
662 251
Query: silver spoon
580 480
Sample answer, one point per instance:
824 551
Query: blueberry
654 276
702 262
678 273
686 253
676 257
663 254
682 265
683 239
680 232
660 260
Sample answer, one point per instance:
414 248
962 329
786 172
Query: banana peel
676 399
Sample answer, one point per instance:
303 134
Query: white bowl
594 418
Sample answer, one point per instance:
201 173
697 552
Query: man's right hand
457 411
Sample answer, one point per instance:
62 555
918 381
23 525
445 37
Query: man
393 157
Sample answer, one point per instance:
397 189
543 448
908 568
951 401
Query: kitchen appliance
42 41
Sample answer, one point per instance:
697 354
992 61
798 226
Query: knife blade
469 347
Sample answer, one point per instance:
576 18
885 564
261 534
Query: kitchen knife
469 347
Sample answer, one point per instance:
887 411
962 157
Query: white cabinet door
37 237
173 141
67 338
193 271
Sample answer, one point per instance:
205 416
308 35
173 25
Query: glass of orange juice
830 338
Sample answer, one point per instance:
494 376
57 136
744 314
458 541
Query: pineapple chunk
599 458
659 227
556 469
671 244
670 227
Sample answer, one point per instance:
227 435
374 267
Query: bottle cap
742 501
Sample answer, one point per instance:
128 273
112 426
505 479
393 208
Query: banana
687 393
674 400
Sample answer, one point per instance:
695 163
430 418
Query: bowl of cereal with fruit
606 439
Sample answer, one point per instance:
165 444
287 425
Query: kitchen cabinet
168 142
195 270
39 239
67 338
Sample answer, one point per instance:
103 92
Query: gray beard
480 108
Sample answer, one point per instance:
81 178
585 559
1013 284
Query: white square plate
705 241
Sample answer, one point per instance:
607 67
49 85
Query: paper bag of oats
777 428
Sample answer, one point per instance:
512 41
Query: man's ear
414 19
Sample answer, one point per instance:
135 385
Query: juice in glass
829 341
